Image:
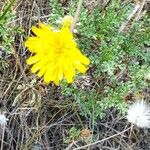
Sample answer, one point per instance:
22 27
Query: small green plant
120 60
73 135
57 12
7 30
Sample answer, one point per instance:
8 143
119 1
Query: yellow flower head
55 53
67 21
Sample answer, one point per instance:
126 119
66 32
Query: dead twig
107 138
137 6
138 16
76 15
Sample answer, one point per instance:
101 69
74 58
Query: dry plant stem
30 24
11 83
142 14
71 145
137 6
140 10
91 144
76 15
89 3
132 125
19 64
2 141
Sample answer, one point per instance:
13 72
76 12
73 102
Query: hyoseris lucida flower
55 53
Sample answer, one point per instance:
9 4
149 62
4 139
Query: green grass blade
7 9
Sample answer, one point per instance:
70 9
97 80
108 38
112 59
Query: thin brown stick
91 144
2 141
124 24
76 15
140 10
19 64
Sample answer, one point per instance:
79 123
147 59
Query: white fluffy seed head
147 76
3 119
139 114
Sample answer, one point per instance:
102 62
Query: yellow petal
37 66
67 21
81 68
45 27
42 31
58 75
49 74
42 71
84 59
69 72
34 44
33 59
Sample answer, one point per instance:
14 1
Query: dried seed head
3 120
85 133
139 114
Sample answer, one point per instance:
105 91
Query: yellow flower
56 54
